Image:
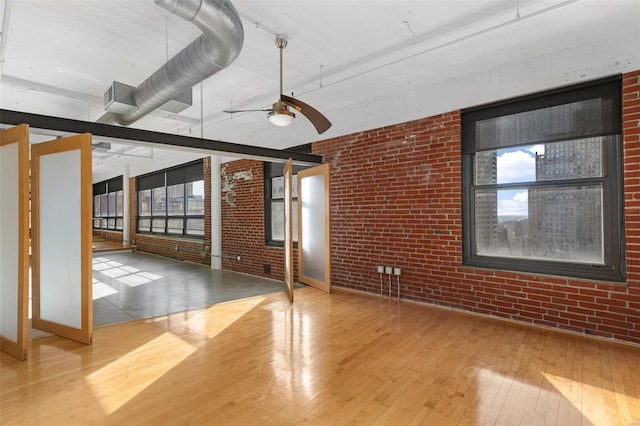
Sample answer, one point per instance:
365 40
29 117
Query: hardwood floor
328 359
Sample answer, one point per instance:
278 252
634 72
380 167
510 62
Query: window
274 200
195 198
542 180
171 201
108 207
175 199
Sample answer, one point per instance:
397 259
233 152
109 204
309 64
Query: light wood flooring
328 359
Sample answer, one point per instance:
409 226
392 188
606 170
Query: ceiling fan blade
233 111
319 121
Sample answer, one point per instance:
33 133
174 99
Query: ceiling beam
157 139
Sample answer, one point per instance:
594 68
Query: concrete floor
137 285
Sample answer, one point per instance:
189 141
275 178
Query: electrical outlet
388 270
397 271
381 269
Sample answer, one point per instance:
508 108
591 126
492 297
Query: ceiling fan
279 113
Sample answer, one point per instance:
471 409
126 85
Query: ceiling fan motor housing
280 114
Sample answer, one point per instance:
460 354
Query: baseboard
491 317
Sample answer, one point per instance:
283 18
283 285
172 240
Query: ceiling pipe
214 50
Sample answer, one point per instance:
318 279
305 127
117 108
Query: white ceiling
363 63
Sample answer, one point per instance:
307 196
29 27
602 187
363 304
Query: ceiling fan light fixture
281 118
280 115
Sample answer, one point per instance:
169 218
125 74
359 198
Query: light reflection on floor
128 286
217 318
342 358
107 384
100 289
125 274
580 394
140 285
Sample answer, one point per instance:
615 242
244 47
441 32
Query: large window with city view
171 201
543 183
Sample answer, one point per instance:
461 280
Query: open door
14 244
314 227
288 227
61 239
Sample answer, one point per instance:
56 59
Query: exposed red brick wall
206 165
396 200
243 222
188 249
627 306
115 236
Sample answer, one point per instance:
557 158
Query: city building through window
542 180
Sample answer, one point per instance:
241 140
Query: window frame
275 170
109 190
614 268
183 174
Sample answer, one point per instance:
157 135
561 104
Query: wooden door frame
83 144
20 135
325 170
288 228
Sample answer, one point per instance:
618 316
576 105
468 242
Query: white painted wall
139 166
216 214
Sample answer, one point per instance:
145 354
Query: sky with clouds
516 165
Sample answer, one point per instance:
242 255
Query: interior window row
172 201
108 204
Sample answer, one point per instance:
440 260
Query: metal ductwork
214 50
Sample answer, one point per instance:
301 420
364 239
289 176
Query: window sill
278 244
171 236
582 272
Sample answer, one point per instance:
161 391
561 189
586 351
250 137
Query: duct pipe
214 50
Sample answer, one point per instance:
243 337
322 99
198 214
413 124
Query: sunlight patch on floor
101 289
215 319
133 280
588 399
128 275
117 383
502 398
